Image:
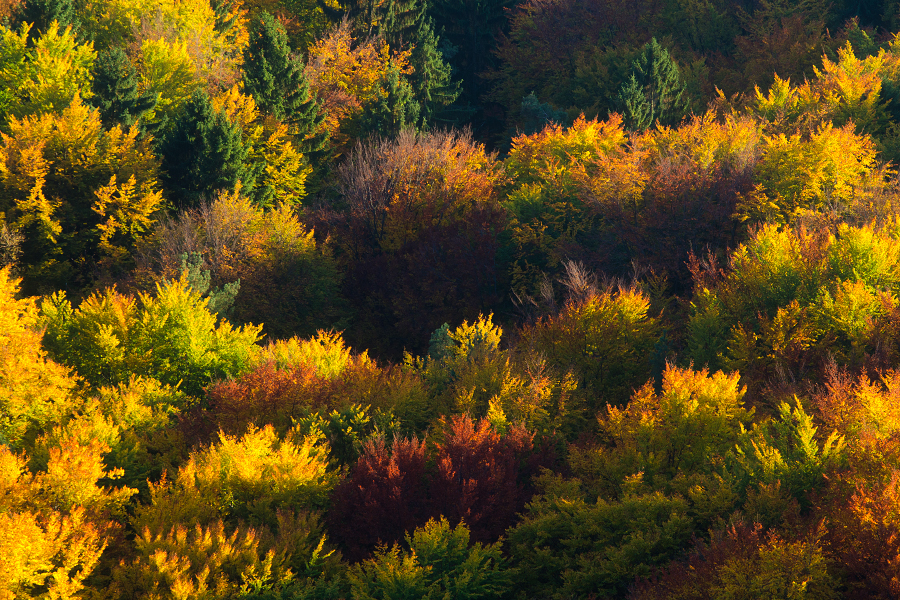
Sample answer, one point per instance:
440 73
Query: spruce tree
397 108
655 91
42 13
203 152
636 111
472 26
406 26
115 90
536 115
277 82
431 79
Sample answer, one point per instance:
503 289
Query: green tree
42 13
406 27
655 91
115 89
395 109
536 115
275 79
171 336
471 26
203 152
432 85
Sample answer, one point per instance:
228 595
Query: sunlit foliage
82 196
169 335
34 390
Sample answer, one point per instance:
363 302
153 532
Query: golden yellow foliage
34 391
54 524
345 76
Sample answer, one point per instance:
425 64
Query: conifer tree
536 115
655 90
203 152
471 26
115 90
397 108
635 107
407 27
431 80
42 13
275 79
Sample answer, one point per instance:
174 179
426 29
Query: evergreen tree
635 107
115 90
396 110
472 26
536 115
226 15
654 92
405 26
431 79
203 152
42 13
275 79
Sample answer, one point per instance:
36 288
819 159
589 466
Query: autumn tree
55 524
109 337
82 196
37 392
413 209
289 281
440 561
44 75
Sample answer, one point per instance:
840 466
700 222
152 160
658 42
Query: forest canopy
401 299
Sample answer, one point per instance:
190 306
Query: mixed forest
449 299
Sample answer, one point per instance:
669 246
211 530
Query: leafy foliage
170 336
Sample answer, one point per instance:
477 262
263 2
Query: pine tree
655 91
42 13
203 152
115 90
276 81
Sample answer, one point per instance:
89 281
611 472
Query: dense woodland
449 299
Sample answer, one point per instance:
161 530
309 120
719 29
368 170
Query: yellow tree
43 77
54 525
34 391
82 196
